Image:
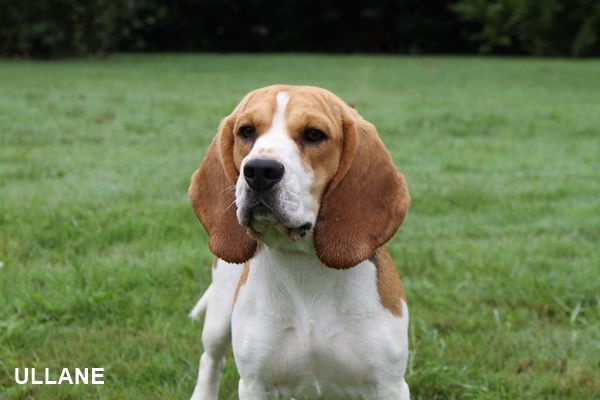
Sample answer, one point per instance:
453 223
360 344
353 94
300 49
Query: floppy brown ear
366 201
212 194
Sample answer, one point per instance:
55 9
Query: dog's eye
312 135
247 132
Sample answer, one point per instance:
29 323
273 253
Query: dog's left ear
212 194
366 201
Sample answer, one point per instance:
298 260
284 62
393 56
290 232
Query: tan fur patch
318 109
389 285
258 112
242 280
215 261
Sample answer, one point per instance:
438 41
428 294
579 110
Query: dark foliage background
54 28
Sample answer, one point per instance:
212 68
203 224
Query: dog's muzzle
262 201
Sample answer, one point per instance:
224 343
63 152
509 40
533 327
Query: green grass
103 257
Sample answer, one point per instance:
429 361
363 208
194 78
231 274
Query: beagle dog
300 190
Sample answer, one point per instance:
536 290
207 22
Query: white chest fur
304 330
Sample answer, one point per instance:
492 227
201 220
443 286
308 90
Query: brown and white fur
299 195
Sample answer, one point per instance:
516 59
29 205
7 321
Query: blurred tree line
55 28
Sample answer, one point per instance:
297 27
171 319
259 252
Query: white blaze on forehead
278 123
276 140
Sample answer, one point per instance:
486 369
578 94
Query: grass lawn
102 257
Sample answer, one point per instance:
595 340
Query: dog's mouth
262 217
299 232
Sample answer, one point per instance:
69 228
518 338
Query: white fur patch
305 330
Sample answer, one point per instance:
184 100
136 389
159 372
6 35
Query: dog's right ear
212 195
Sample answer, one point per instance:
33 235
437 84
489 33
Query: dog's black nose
261 174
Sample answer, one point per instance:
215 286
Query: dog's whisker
229 206
229 188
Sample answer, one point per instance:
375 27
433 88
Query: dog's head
297 168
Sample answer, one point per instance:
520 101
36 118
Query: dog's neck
300 285
296 266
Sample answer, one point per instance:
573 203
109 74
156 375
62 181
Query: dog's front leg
252 390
